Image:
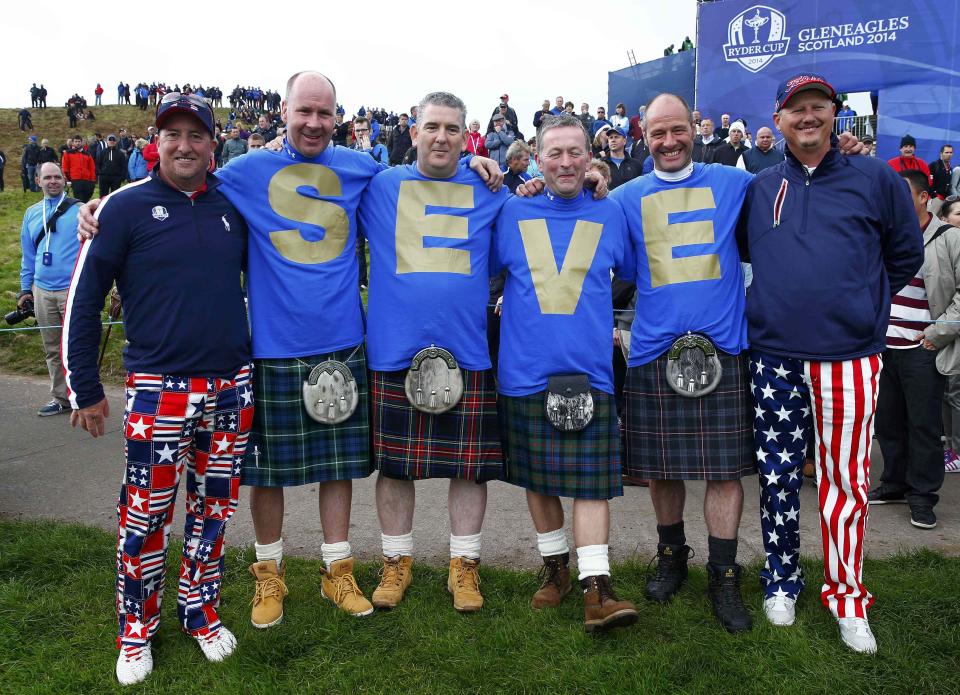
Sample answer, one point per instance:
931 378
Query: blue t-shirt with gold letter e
557 303
688 275
303 275
430 243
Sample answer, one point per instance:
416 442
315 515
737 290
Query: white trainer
219 646
780 610
856 634
134 664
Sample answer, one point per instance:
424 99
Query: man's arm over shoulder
98 264
902 241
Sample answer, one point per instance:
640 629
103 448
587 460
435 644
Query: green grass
57 628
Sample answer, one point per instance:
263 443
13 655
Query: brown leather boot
602 610
555 581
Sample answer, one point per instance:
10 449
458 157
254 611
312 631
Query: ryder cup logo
755 37
160 213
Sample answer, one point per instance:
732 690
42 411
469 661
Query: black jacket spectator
705 153
47 154
727 154
941 178
31 154
398 143
112 162
629 168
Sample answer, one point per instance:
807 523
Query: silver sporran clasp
693 367
330 393
569 402
434 382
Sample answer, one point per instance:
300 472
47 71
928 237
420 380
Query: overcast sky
397 53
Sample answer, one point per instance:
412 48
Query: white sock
552 543
394 546
592 561
269 551
332 552
465 546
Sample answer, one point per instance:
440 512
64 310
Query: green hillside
51 123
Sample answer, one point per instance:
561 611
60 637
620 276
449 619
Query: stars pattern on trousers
782 428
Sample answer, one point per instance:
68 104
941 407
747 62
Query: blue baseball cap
801 83
616 129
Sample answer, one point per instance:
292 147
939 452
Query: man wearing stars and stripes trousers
827 255
167 240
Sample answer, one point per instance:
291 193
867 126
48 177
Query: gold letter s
286 202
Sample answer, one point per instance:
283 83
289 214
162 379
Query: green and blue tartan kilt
287 447
463 442
541 458
671 437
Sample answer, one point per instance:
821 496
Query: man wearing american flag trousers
175 247
831 238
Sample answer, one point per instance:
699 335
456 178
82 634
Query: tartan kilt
463 442
287 447
670 437
541 458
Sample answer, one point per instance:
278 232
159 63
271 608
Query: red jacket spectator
151 156
475 144
78 165
907 160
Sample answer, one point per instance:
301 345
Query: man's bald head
668 98
764 139
308 76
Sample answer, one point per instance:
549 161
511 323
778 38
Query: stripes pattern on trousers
835 403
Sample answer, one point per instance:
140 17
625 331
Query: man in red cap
189 400
827 256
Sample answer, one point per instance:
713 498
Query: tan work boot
555 581
338 585
602 610
395 577
269 593
463 582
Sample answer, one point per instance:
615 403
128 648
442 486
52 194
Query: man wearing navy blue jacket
169 239
831 238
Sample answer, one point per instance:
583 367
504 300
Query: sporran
568 402
434 382
693 368
330 393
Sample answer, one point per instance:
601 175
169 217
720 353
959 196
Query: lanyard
49 232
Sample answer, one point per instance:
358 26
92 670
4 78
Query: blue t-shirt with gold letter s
303 274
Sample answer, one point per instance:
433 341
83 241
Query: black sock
672 534
723 551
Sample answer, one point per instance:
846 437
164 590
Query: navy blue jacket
847 241
177 264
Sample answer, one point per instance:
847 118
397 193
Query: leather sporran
569 402
330 393
693 368
434 382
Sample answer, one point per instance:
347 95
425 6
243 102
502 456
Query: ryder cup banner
903 50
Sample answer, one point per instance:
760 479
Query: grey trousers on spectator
908 424
951 412
50 307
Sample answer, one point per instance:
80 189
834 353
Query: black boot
723 586
670 574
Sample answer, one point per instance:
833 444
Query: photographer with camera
48 238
